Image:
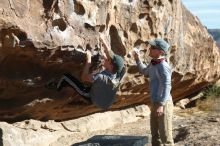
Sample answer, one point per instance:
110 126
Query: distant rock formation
216 35
40 40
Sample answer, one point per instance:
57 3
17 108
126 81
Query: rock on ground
42 39
191 127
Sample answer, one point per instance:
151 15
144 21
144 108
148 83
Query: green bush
212 92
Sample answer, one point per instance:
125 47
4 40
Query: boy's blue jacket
160 80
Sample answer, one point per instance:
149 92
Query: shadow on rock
114 140
1 135
181 135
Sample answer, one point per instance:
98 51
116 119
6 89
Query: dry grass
211 100
210 104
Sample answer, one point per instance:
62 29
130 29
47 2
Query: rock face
216 35
40 40
51 133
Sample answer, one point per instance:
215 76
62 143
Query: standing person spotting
159 73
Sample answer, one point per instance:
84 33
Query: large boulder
40 40
51 133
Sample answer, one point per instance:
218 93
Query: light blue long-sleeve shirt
160 80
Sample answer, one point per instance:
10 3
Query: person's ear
112 66
162 52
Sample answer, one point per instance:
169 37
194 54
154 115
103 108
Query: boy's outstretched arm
107 50
86 76
142 67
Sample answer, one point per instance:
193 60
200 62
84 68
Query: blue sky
208 11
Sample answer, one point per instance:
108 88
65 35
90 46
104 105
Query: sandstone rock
51 133
54 34
106 120
182 103
12 135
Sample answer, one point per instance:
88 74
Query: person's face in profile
155 52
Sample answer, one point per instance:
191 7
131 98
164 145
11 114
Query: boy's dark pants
69 80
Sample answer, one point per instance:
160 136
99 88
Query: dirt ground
191 127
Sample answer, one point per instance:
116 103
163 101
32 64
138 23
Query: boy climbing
104 84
